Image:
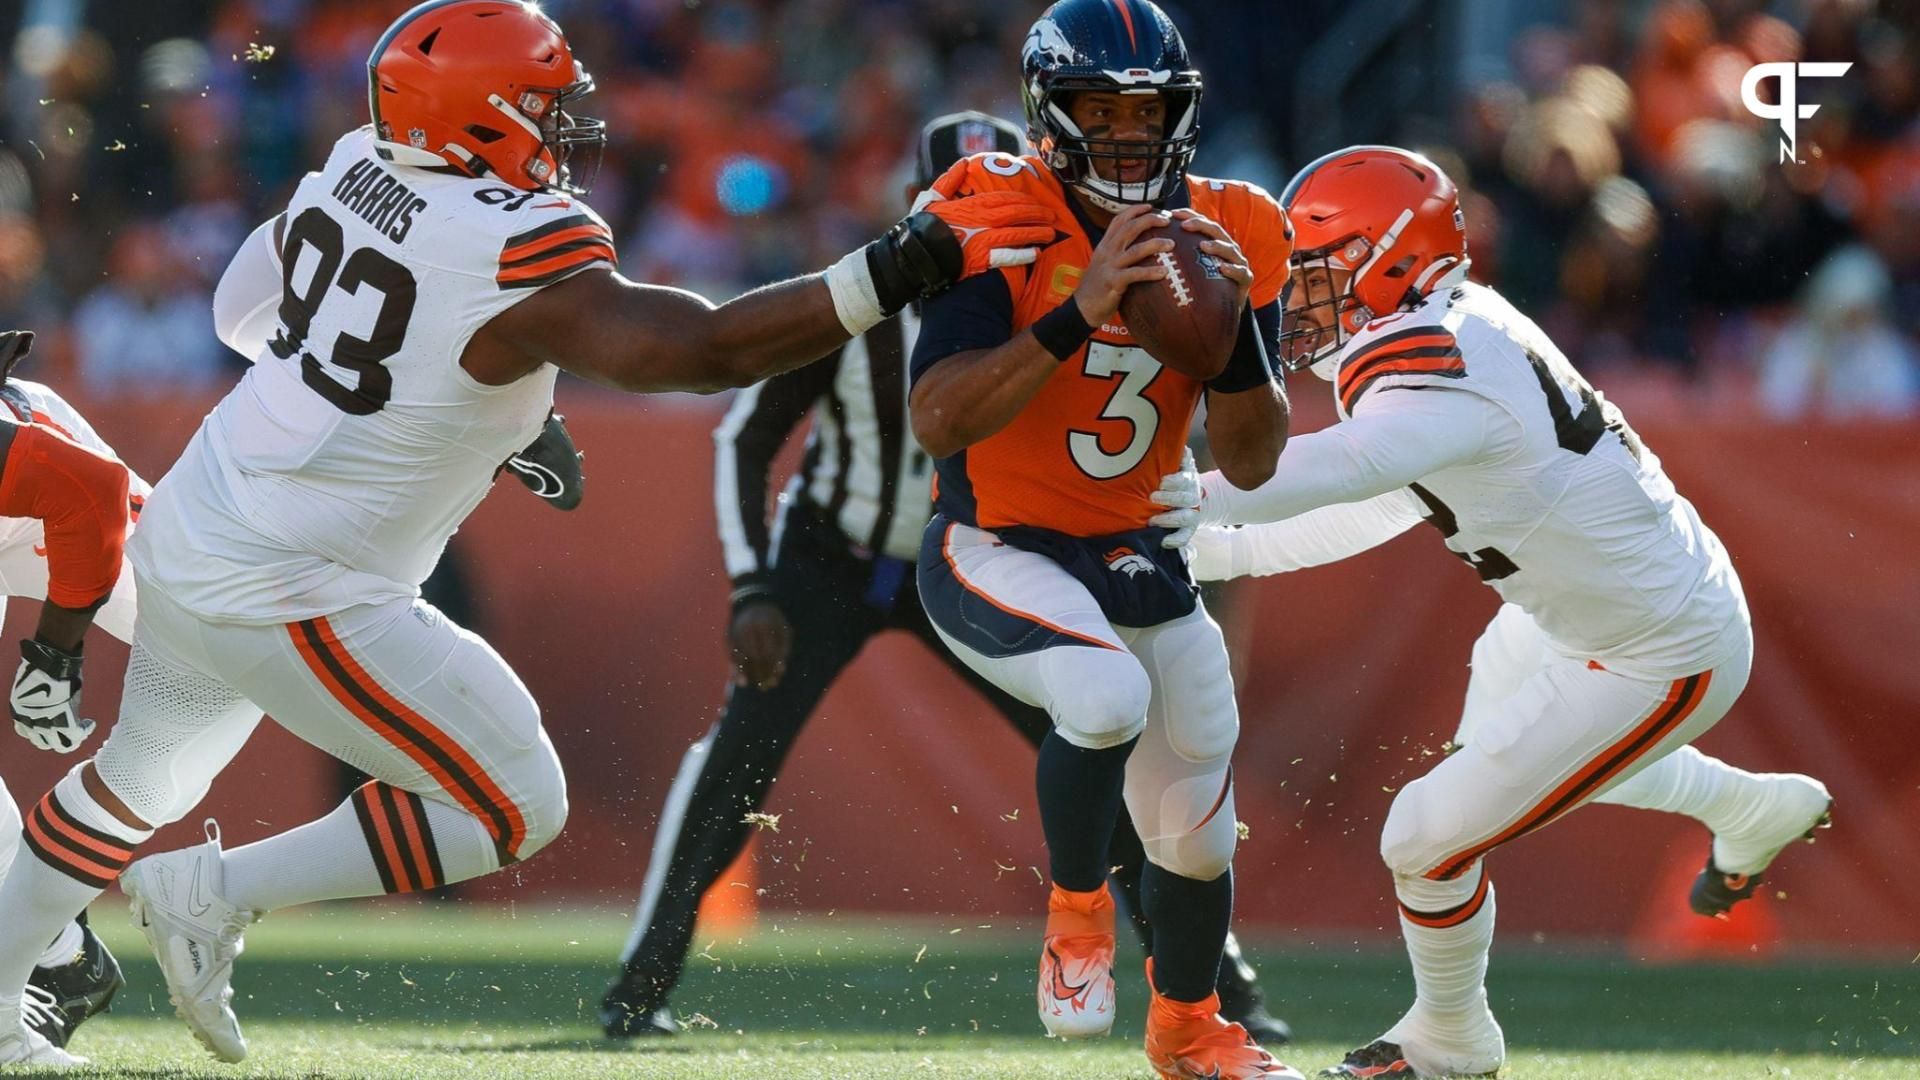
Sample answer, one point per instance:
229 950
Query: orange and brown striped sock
79 849
383 839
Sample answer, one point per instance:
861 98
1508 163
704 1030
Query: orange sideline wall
907 795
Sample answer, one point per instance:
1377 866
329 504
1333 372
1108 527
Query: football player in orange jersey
1040 569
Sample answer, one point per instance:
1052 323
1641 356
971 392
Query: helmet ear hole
485 134
1401 268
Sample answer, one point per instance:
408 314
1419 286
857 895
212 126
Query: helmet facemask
563 137
1314 330
1075 156
576 144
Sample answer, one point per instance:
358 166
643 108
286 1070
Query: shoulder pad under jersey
1406 348
1256 222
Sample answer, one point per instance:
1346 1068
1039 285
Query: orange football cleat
1076 964
1192 1041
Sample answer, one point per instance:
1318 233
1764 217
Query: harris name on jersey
381 201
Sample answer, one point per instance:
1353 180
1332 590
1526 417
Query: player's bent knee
1099 697
147 788
1187 826
544 824
1202 854
1423 828
545 813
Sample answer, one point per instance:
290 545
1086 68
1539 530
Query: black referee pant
824 589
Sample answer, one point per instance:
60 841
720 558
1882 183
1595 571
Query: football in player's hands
1189 320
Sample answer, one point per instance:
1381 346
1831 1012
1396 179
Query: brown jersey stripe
556 276
550 244
1683 696
1400 339
1440 366
1352 373
562 265
545 229
566 247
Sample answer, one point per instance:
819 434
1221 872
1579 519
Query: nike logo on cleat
1062 989
197 903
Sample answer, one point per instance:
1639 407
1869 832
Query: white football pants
395 689
1541 734
1038 634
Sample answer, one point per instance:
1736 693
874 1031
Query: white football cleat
23 1047
195 934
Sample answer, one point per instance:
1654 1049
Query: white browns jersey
23 560
1571 517
337 469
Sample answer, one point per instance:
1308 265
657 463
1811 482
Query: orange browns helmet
483 86
1387 217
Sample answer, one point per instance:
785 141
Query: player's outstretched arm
970 395
81 498
1315 538
652 339
1395 442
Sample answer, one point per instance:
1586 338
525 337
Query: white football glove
1181 492
45 701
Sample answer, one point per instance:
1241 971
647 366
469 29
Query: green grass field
445 990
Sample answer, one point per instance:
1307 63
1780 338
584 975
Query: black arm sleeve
975 314
745 444
1251 364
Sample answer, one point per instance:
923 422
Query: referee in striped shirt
834 568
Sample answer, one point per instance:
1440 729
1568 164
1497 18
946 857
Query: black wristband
1063 330
916 258
1247 366
55 662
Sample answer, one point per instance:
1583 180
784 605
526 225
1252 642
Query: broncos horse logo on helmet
1116 46
483 86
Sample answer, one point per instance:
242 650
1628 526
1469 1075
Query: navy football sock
1190 920
1079 793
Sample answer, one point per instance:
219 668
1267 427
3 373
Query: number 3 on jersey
1127 404
314 231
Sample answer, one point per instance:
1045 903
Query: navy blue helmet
1117 46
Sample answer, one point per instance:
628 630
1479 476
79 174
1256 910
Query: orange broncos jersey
1086 453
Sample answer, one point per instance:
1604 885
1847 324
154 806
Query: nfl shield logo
417 138
975 138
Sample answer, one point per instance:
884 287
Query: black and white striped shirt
862 469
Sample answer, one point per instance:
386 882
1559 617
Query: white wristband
855 299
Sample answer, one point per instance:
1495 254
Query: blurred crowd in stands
1616 186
